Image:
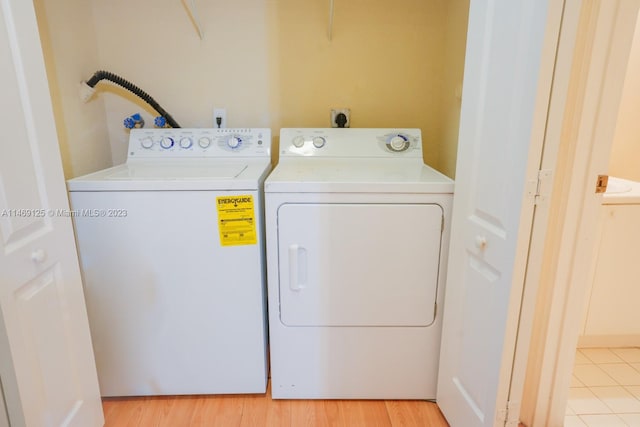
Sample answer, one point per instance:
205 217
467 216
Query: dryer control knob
204 141
398 143
298 141
167 142
146 142
319 142
186 142
234 142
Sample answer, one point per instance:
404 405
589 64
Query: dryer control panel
350 142
172 143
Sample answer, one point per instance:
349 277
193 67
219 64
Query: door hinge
601 184
510 415
539 189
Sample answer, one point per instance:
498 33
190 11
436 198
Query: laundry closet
264 65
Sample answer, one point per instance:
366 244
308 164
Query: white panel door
358 264
41 299
492 217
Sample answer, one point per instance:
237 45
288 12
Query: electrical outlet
222 113
334 114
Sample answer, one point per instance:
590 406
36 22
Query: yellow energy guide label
236 220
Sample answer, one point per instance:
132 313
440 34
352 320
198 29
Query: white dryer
172 257
357 238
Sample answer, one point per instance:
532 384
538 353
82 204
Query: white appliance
357 238
172 256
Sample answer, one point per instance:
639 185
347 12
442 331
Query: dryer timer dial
398 143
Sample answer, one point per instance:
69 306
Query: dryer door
359 264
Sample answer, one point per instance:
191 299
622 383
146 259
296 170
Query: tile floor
605 389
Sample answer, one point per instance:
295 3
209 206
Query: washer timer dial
234 142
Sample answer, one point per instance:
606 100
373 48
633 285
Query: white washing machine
172 257
357 238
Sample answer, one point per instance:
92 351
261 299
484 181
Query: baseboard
592 341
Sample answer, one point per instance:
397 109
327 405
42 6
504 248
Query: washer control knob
186 142
398 143
234 142
204 141
319 142
146 142
167 142
298 141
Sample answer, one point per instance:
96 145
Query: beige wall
625 152
270 63
69 47
455 44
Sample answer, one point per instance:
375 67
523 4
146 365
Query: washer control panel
199 142
350 142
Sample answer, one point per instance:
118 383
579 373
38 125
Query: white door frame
580 131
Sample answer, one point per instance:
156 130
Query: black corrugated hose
101 75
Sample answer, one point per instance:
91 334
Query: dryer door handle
297 267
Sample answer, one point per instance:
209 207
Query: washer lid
191 174
347 175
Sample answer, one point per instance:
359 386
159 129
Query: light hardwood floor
261 410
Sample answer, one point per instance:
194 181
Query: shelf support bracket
330 29
190 6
